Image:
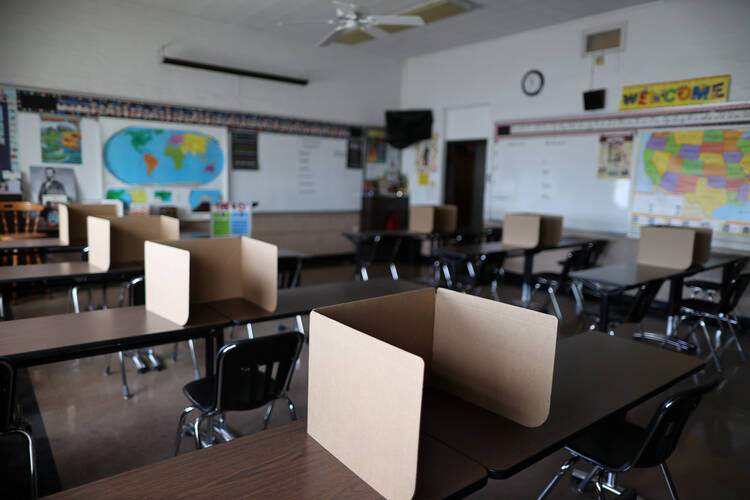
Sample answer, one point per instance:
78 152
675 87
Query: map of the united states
710 168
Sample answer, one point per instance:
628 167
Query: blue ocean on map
138 155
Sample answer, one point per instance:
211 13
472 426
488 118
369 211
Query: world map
138 155
695 177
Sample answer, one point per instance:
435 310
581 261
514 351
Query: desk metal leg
214 338
528 272
604 313
675 297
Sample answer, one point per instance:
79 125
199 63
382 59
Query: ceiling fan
350 16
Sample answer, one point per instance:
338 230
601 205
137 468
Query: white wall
666 40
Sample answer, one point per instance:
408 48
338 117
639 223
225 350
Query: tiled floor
94 433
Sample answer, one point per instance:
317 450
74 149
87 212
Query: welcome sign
677 93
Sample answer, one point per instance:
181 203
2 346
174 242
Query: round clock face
532 82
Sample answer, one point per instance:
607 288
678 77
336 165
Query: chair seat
610 444
702 284
201 393
701 306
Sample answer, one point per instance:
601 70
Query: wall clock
532 82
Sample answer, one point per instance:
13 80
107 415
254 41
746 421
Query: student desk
471 252
49 339
618 278
302 300
595 376
279 463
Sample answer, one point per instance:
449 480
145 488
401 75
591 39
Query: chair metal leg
107 370
710 344
180 428
668 479
598 486
267 416
555 305
191 345
249 328
32 461
733 336
300 325
74 298
292 411
125 391
174 352
363 273
197 431
394 271
578 296
560 473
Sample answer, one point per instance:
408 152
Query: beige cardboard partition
428 219
528 230
205 270
370 360
119 240
73 229
674 247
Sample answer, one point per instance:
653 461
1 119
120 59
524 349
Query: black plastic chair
552 282
617 445
710 289
17 482
722 313
635 313
472 275
250 373
289 272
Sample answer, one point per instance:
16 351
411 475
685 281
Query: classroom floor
94 433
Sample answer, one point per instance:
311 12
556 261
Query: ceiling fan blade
305 21
373 31
395 20
333 35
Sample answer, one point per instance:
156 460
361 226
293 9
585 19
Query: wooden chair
19 220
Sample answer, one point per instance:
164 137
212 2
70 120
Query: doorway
464 182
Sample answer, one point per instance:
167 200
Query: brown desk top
477 249
62 270
280 463
595 376
631 274
46 338
293 301
36 243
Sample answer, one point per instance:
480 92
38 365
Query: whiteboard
298 173
557 175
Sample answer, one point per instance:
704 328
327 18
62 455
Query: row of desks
465 444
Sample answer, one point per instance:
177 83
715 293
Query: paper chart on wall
158 163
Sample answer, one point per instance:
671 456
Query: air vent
601 41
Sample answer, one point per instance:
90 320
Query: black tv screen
404 128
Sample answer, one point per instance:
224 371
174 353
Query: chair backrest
489 267
288 272
643 299
494 234
575 261
596 249
137 291
20 217
7 394
253 372
733 293
663 432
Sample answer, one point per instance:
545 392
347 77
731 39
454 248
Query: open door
464 182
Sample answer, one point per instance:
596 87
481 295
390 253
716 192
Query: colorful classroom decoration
678 93
695 177
376 146
60 139
138 155
231 219
201 196
244 149
615 155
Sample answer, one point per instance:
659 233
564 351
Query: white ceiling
492 19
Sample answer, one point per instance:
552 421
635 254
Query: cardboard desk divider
119 240
433 219
73 226
674 247
527 230
185 272
370 360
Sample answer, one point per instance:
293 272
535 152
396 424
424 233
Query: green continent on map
139 138
176 154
